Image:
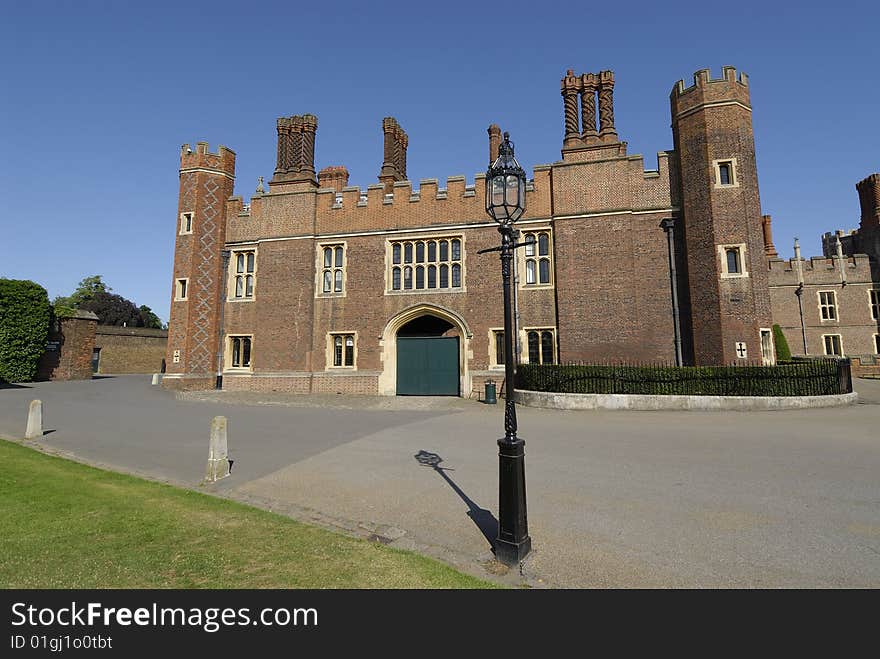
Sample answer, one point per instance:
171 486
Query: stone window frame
427 238
734 175
330 355
186 218
233 275
825 307
184 289
523 257
229 349
771 359
333 268
722 255
492 337
825 338
874 303
525 357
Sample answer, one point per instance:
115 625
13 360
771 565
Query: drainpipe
668 226
224 257
840 261
800 292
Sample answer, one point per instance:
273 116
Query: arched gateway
424 351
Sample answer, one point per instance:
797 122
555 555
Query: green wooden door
427 366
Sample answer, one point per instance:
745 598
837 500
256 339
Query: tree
85 291
148 318
783 354
112 309
24 325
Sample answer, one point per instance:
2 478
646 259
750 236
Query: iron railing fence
818 377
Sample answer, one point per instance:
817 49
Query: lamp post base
513 543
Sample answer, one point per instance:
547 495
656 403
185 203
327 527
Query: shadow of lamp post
505 203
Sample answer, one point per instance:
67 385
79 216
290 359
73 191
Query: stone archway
388 342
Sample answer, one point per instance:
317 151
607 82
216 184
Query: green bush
24 325
783 354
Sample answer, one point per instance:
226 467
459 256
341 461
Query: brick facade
130 349
850 272
608 295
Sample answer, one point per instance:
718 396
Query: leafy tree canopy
148 318
93 294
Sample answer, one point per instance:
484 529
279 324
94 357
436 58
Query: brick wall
130 349
853 323
74 341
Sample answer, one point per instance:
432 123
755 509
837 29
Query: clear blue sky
98 97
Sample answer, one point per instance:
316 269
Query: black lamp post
505 203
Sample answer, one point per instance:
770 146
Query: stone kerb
638 402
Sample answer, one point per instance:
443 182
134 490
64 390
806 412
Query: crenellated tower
206 182
869 227
722 221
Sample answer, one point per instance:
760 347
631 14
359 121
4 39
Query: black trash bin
490 392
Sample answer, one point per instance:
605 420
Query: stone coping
131 331
644 402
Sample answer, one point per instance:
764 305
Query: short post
155 378
218 454
35 420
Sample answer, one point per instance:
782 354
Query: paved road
616 499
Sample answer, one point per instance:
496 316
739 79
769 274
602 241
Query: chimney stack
296 148
769 249
335 176
394 158
494 142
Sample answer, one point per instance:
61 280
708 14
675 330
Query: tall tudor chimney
394 159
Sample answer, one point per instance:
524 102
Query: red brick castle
316 286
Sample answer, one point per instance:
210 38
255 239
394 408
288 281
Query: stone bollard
155 378
35 420
218 454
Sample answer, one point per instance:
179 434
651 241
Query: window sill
329 296
740 275
240 299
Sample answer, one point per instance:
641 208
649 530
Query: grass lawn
67 525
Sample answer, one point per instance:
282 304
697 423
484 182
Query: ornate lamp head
505 186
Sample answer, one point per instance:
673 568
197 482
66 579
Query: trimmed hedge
783 353
813 378
24 326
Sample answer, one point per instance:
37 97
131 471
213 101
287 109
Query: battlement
819 270
703 78
202 158
354 208
707 90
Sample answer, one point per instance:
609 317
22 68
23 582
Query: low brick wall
189 383
130 349
366 383
69 349
865 366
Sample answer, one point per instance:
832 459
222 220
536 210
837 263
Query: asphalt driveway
616 499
